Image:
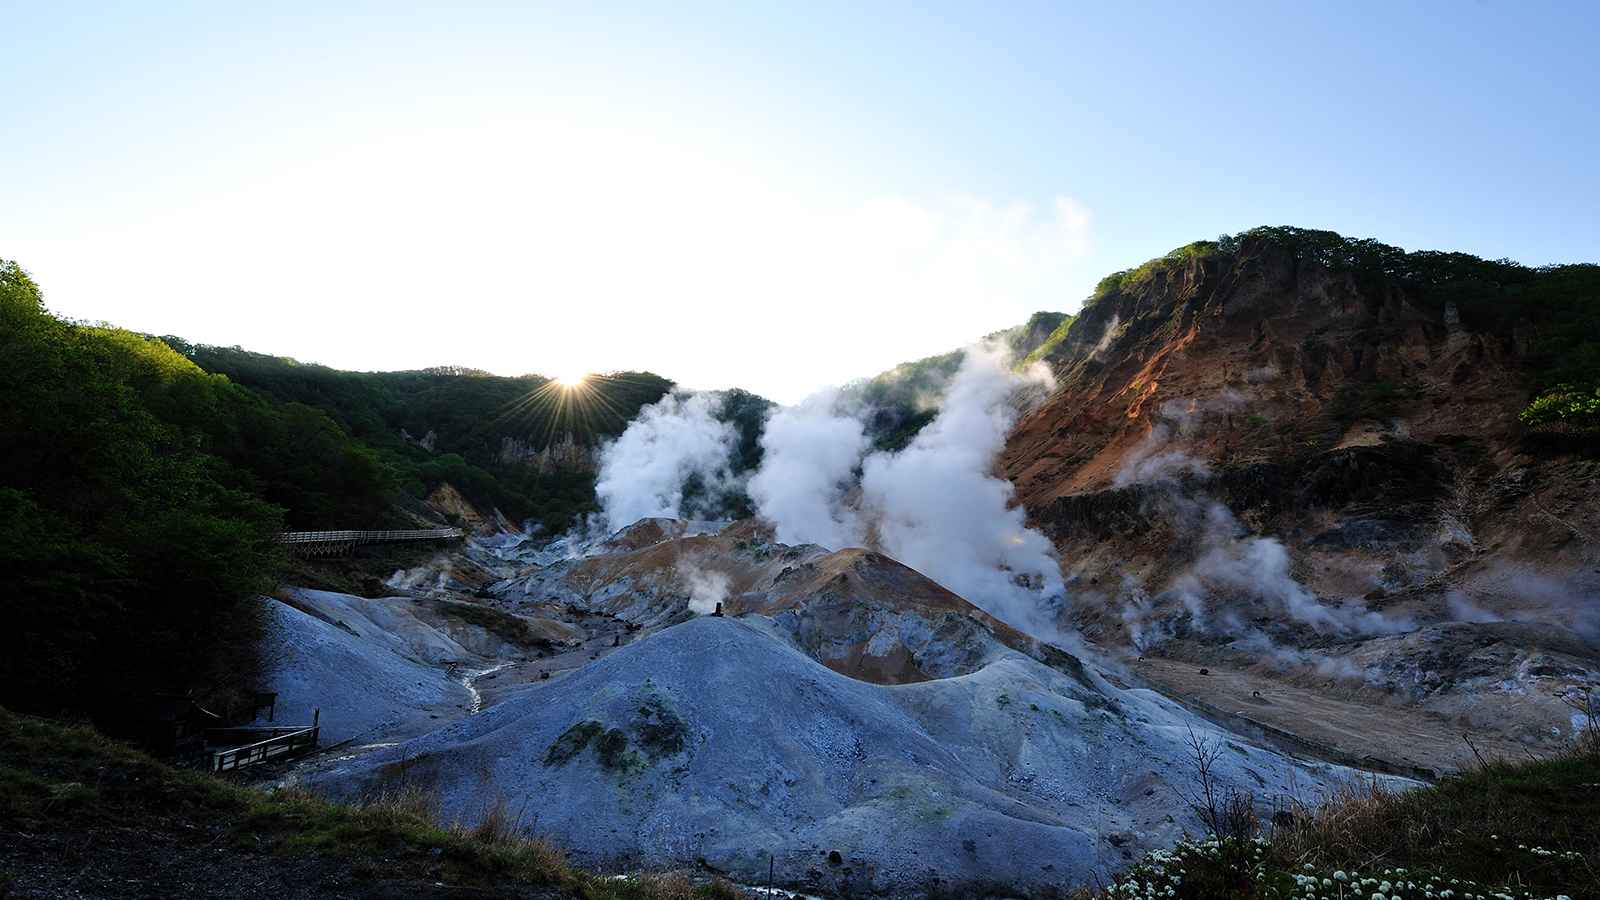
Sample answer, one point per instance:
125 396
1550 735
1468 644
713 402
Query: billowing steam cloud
809 463
643 473
933 505
937 509
1259 567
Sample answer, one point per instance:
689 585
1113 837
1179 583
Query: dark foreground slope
83 817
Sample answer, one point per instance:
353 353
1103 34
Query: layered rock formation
1260 465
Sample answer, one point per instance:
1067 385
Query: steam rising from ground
935 507
643 472
1462 609
1228 559
810 460
932 505
707 589
1160 455
1258 567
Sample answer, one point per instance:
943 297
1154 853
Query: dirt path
1401 738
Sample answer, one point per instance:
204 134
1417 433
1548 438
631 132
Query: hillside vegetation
144 480
1505 829
139 497
481 433
527 446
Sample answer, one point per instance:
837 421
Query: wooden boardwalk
268 744
337 543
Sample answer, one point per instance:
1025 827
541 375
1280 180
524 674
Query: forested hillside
520 445
139 497
140 494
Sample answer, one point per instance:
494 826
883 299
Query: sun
571 381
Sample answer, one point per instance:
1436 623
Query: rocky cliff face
1261 358
566 453
1256 464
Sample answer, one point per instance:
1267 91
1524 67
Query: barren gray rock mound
370 684
718 742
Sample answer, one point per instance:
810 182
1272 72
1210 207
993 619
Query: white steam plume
1259 567
1229 559
933 506
1462 609
707 589
938 510
1107 336
809 459
642 473
1156 458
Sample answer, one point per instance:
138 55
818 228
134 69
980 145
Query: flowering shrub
1228 870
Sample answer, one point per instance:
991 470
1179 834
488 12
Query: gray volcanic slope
717 742
368 682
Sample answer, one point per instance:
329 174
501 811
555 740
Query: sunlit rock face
719 741
1315 487
566 453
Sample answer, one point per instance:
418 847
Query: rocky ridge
1262 466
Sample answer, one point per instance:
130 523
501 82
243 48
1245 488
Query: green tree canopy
129 566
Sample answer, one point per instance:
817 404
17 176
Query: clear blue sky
767 196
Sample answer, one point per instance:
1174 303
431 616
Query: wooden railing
281 743
334 543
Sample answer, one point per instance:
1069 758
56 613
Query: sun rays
586 406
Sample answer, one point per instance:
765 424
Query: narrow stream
356 751
469 681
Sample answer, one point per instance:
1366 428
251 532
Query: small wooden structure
267 700
237 748
175 727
